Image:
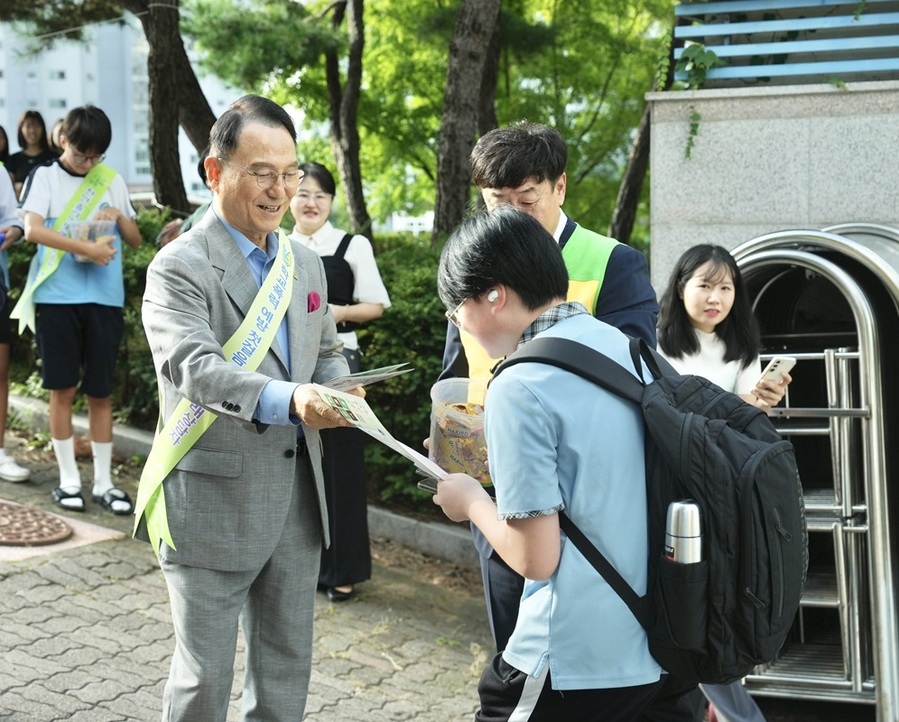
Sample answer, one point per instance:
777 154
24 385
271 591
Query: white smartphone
775 367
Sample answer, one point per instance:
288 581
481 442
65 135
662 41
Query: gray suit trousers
274 604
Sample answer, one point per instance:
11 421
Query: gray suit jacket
227 499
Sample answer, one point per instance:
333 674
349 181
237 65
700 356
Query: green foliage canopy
580 65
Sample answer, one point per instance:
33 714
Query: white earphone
493 295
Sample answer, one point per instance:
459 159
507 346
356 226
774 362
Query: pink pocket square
313 302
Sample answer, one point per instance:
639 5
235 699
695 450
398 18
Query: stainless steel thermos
683 535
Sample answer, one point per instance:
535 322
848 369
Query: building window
57 103
57 75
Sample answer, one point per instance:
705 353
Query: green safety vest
586 256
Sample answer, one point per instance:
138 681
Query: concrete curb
444 541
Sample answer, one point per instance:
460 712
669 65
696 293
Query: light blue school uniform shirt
47 192
76 282
558 441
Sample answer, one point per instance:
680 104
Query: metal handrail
881 256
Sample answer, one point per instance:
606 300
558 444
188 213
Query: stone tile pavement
85 633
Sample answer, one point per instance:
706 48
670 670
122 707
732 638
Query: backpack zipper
788 537
686 431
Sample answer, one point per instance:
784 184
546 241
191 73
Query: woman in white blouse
356 294
707 328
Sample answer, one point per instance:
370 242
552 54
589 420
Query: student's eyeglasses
451 315
266 179
85 158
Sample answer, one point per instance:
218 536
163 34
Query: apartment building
109 71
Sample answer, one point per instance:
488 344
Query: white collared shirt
367 284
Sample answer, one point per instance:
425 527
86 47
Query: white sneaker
11 471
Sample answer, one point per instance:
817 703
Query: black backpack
714 620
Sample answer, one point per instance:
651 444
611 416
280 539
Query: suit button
235 408
289 453
226 405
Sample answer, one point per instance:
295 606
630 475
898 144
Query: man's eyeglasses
320 198
451 315
85 158
266 179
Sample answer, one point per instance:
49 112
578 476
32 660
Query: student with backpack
576 652
707 328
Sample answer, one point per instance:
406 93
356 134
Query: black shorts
72 338
5 323
505 690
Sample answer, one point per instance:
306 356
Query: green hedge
412 329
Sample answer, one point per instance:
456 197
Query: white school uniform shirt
368 286
710 364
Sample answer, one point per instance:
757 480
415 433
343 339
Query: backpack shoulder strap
657 365
637 604
581 360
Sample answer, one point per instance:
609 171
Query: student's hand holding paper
458 493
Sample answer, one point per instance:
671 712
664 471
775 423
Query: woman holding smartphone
707 328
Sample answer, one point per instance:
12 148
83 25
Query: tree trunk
625 213
622 224
487 119
468 57
163 35
344 102
194 113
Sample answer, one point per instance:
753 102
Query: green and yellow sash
189 421
80 206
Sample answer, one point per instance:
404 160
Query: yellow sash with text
246 348
80 206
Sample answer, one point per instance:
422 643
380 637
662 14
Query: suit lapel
236 278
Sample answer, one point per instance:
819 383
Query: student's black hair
739 331
4 151
39 119
507 157
87 129
322 175
225 134
505 247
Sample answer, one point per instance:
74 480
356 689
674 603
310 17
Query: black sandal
110 497
70 501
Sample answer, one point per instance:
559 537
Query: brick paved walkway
86 636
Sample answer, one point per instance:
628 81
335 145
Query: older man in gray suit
245 512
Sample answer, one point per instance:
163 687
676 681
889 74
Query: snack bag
457 442
94 231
